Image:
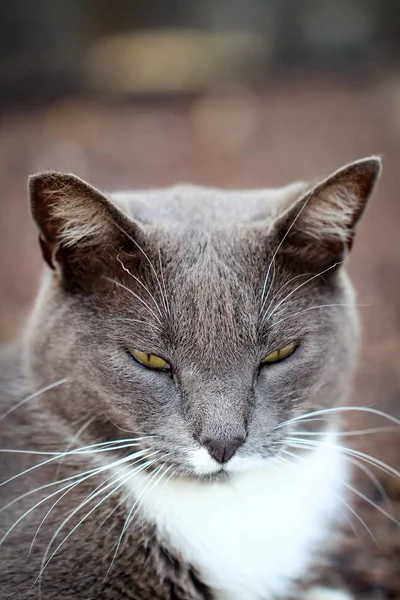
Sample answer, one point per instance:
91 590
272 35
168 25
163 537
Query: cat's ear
319 227
78 226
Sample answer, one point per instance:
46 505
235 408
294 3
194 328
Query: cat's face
168 327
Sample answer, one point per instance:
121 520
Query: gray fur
210 251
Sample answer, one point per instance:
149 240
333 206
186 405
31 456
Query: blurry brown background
227 93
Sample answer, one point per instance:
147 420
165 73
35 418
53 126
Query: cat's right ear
319 227
78 226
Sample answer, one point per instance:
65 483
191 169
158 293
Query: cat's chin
220 476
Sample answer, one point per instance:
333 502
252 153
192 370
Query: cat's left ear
319 227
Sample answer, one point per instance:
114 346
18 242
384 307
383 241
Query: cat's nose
222 449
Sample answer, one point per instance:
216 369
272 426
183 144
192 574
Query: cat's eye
280 354
150 360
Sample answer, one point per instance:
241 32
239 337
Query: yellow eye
150 360
280 354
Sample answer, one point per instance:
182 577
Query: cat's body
195 459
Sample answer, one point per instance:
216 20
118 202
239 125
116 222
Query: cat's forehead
186 205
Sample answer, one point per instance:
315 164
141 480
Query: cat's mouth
205 467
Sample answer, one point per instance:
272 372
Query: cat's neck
254 532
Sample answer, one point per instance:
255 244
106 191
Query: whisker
74 439
152 436
357 453
137 456
47 485
268 316
125 498
128 520
121 285
145 255
300 312
348 433
310 420
46 560
359 518
70 478
107 446
140 283
128 320
283 239
281 288
148 490
372 503
339 409
353 511
100 448
43 500
285 461
166 303
372 477
47 388
364 497
269 287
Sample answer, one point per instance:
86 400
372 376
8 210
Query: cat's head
197 319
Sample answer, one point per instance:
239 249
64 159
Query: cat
170 412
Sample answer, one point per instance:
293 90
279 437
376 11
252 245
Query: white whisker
129 518
339 409
137 456
281 242
121 285
47 485
372 477
297 442
355 513
46 560
269 287
310 420
70 485
146 257
268 316
283 286
342 501
348 433
128 320
91 449
300 312
372 503
140 283
47 388
166 303
74 438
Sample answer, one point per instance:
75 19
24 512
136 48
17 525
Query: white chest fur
249 537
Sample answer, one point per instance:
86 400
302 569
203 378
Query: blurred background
233 93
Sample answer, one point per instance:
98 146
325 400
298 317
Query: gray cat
170 415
